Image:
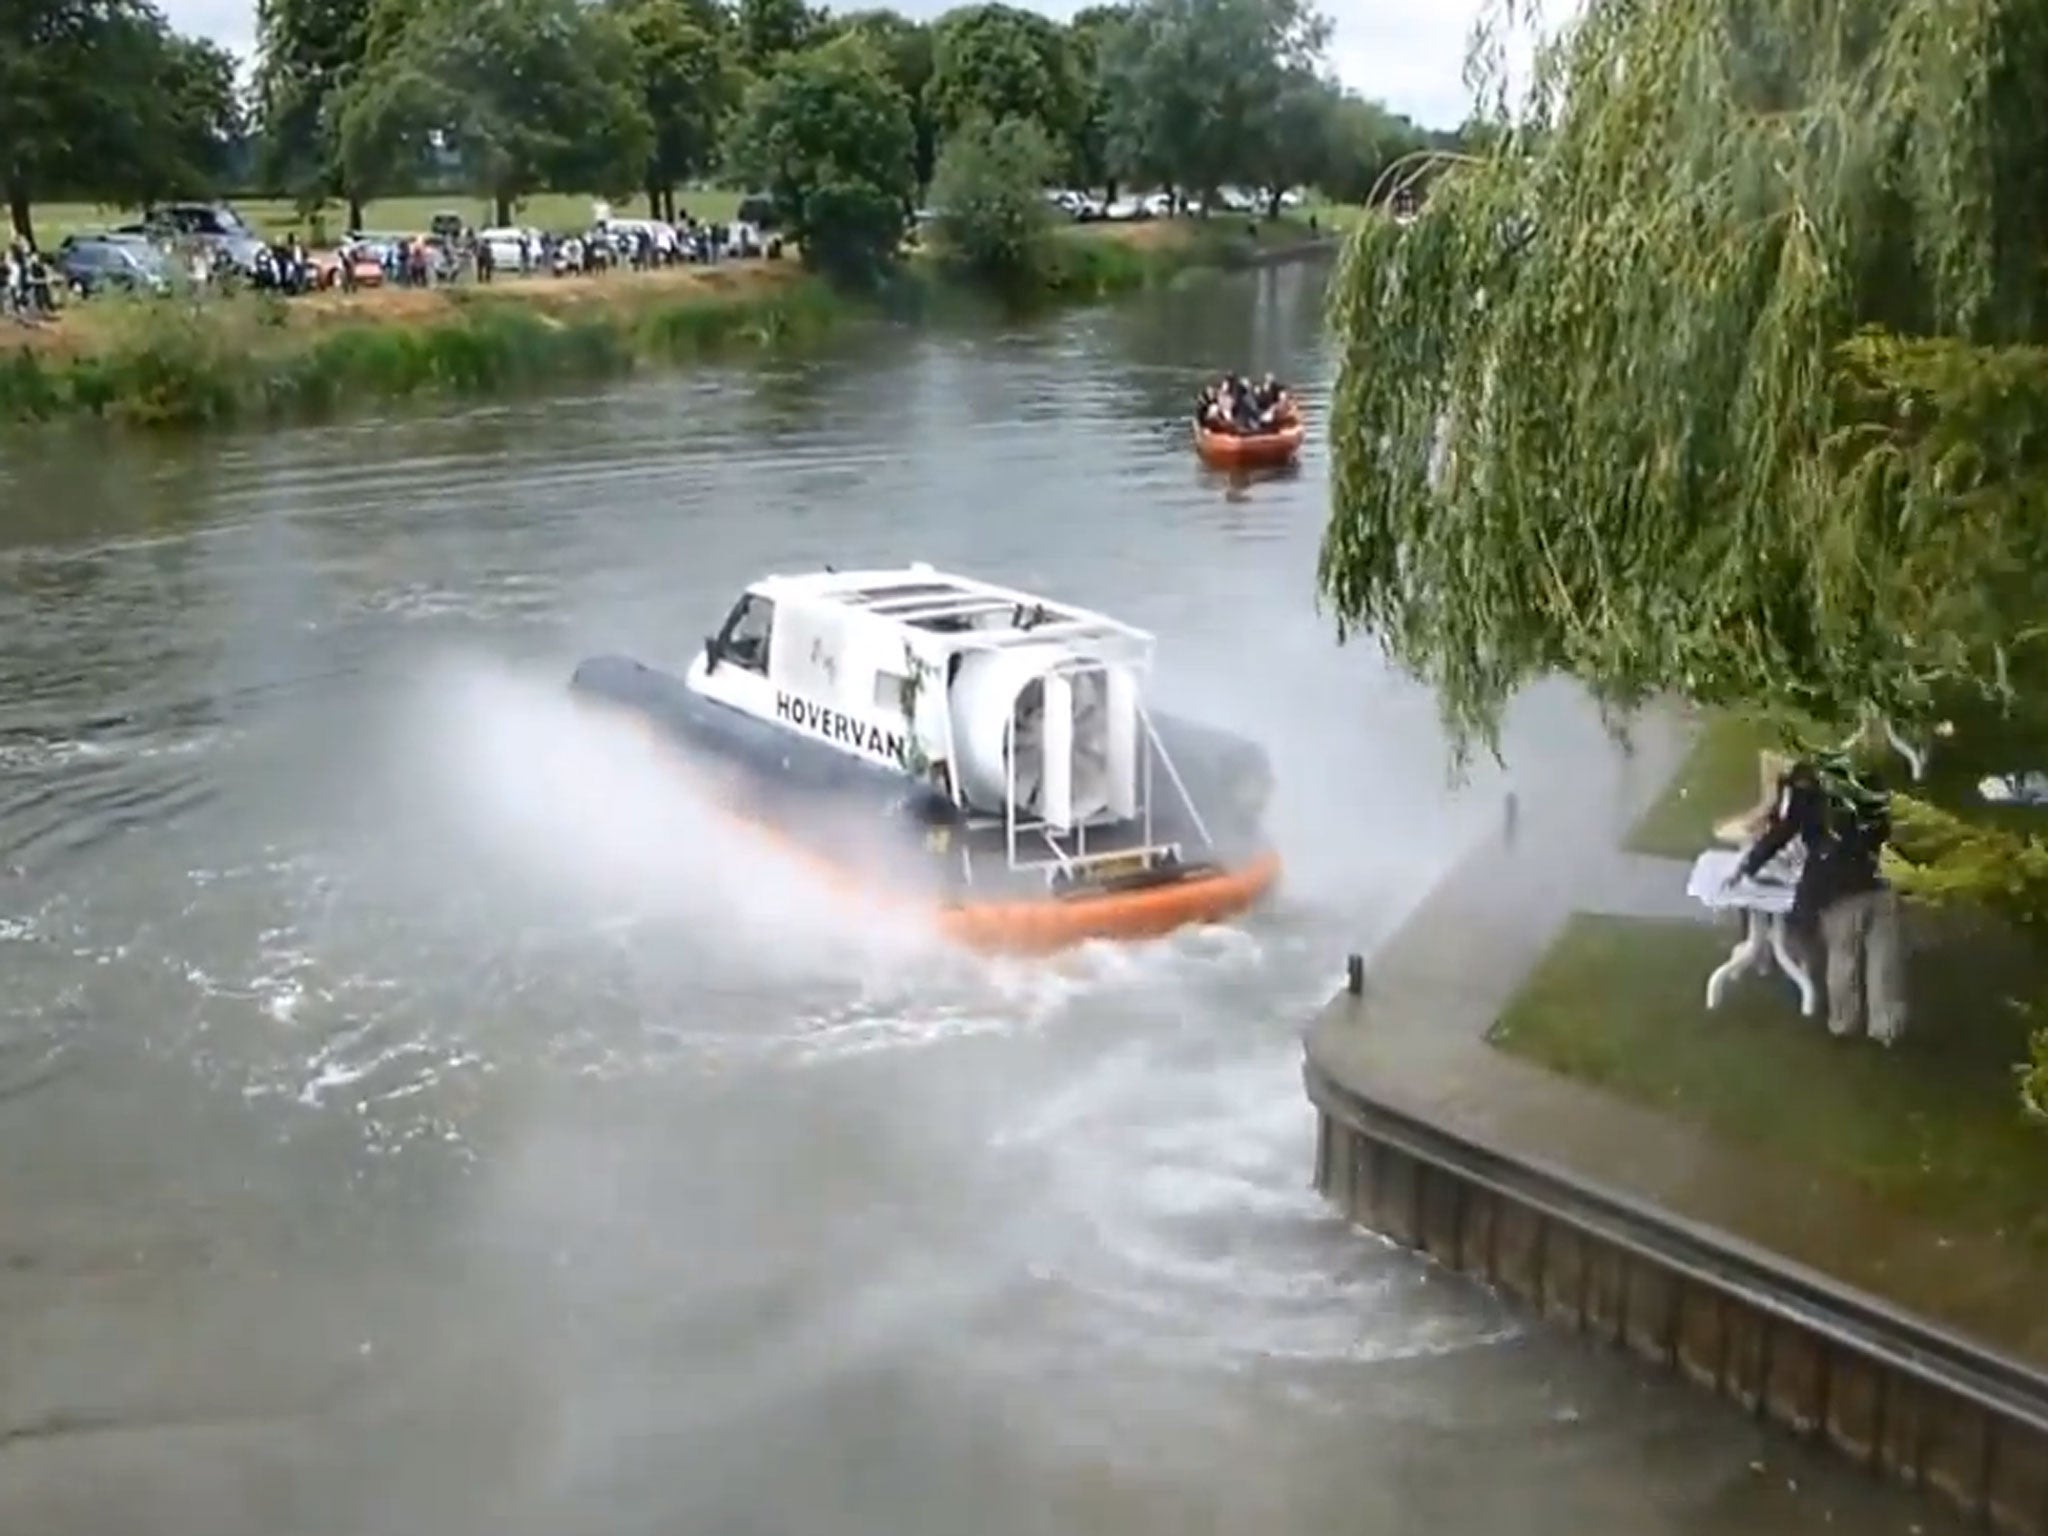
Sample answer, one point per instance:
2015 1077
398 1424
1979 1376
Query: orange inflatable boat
967 755
1251 450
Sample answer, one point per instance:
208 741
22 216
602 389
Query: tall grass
183 364
1068 271
1079 271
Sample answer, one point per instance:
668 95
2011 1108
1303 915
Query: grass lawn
275 218
1337 216
1932 1127
1718 779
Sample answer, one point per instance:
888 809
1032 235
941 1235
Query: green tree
199 117
1193 83
530 93
105 98
1088 150
307 51
689 86
997 61
828 136
1715 484
770 30
1364 140
906 48
1294 137
993 221
64 91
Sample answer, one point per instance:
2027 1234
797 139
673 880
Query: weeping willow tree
1721 374
1717 375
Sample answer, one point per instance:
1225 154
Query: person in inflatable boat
1233 406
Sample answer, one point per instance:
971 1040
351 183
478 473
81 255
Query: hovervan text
834 726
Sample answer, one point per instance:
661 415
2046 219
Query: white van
508 254
663 236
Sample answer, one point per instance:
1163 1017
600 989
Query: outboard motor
1058 730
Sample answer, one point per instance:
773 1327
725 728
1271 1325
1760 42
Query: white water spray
592 809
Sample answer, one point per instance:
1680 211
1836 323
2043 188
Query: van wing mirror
712 652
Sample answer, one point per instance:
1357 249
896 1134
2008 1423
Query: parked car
211 226
758 209
94 264
360 259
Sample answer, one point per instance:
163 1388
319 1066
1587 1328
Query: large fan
1047 733
1026 749
1084 695
1091 743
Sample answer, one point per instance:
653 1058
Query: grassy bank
196 362
1097 261
172 363
1932 1127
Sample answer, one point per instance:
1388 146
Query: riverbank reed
185 364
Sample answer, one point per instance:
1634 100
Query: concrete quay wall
1912 1402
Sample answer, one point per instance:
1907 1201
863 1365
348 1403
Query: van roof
977 614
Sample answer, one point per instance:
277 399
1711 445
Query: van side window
747 632
889 692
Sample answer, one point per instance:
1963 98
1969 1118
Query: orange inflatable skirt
1031 925
1048 924
1045 925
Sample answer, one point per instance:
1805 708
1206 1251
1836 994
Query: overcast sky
1407 53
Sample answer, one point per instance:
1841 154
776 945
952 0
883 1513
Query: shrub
993 223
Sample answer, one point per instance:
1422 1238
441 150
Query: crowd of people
1234 405
34 287
639 246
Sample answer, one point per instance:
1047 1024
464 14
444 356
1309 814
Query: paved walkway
1416 1040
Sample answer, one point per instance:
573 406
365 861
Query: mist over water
556 796
422 1111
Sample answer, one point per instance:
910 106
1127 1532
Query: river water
417 1116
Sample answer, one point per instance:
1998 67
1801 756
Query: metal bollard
1354 975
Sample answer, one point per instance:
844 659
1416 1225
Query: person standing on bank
1843 820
